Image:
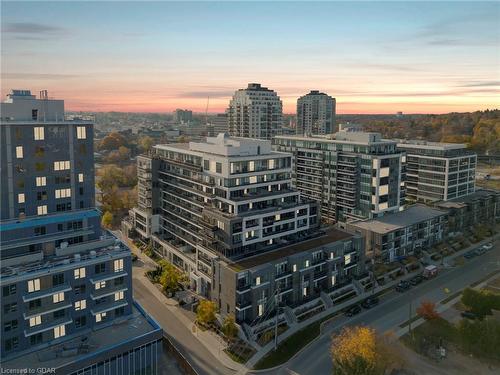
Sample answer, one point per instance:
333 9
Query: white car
488 246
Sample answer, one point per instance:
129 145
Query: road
392 311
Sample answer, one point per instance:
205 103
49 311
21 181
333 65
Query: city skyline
373 57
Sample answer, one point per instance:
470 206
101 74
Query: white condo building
255 112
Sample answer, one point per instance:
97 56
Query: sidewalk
212 342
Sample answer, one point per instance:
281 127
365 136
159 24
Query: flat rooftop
329 236
481 193
388 223
343 137
418 144
56 356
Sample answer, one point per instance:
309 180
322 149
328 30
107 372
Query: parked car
370 302
353 311
403 286
480 251
488 246
469 254
416 280
468 315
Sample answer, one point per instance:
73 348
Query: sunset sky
374 57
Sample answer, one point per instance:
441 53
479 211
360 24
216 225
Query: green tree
205 313
229 327
145 143
480 302
107 219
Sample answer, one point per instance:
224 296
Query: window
11 344
307 263
34 285
63 193
9 290
347 259
19 152
80 321
61 165
80 289
10 307
39 133
100 268
100 285
34 114
41 196
100 317
40 231
218 167
20 198
261 309
80 177
294 268
36 339
333 280
36 320
81 132
10 326
80 305
58 279
58 297
79 273
58 314
304 291
257 280
35 304
118 265
59 331
42 210
41 181
118 296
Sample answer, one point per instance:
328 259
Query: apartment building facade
401 234
354 175
260 286
438 171
62 279
315 114
255 112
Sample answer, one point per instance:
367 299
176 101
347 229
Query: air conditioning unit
93 254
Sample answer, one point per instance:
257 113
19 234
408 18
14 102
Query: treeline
480 130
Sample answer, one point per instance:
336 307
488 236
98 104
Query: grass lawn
287 348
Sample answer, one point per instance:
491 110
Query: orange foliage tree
427 310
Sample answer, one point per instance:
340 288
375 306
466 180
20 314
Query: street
392 311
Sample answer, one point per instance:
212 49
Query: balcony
107 291
47 308
46 292
47 326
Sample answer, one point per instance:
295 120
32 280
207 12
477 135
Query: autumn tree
360 351
170 277
427 310
107 219
112 142
229 327
205 313
145 143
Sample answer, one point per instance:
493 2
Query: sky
373 57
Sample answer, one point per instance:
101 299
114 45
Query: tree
170 277
427 310
229 327
360 351
205 313
124 153
112 141
145 143
107 219
480 302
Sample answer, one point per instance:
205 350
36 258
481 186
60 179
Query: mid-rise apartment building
354 175
315 114
229 203
438 171
64 282
255 112
217 124
401 234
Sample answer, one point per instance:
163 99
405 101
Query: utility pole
409 321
